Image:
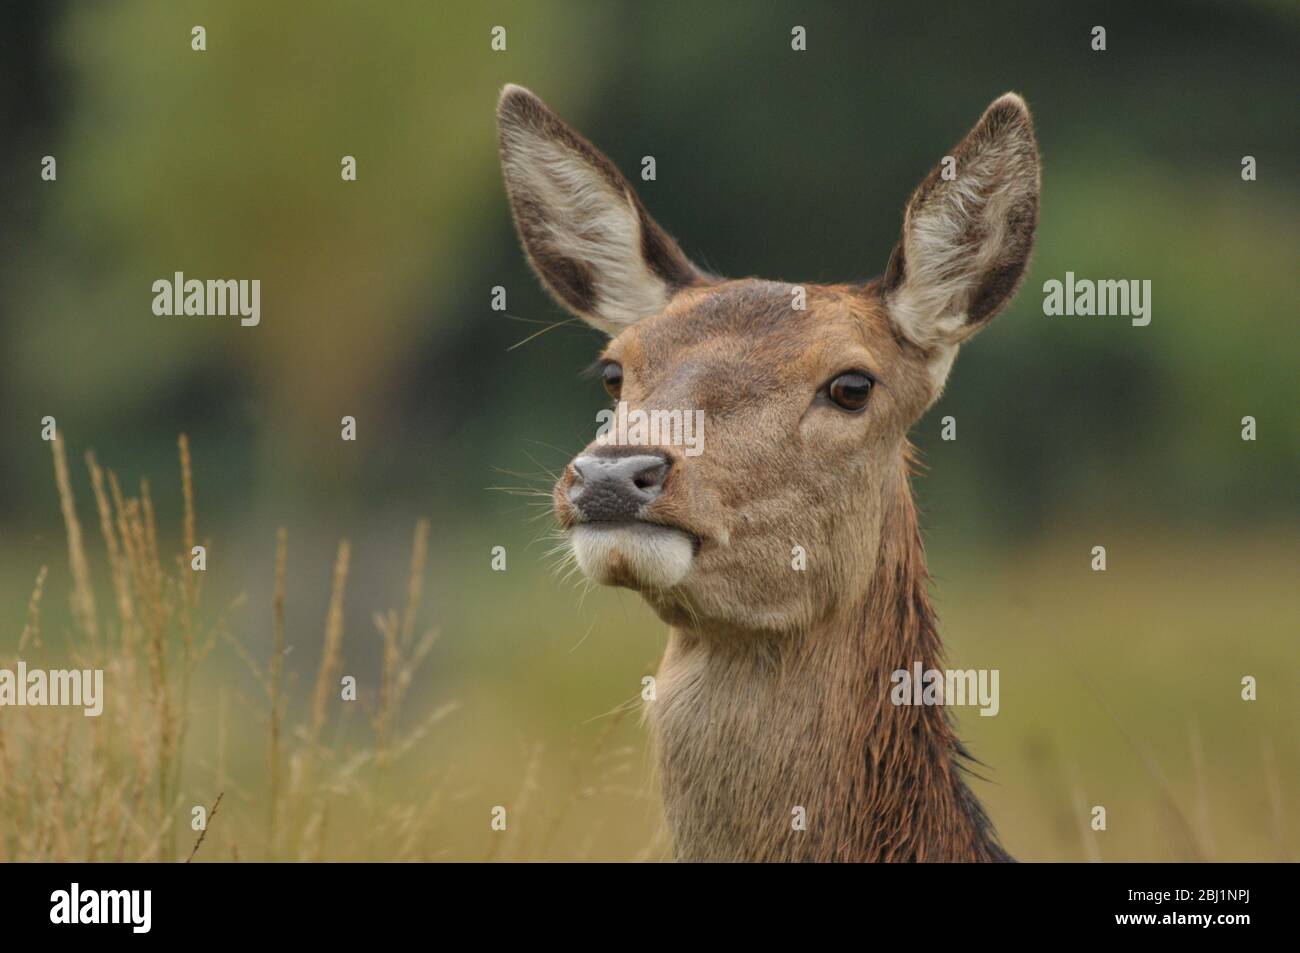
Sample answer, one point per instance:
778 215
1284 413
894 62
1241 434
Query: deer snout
614 487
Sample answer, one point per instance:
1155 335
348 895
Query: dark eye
613 378
850 390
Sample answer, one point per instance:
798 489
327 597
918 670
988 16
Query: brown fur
748 731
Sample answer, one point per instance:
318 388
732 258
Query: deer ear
967 232
586 233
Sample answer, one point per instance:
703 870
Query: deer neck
760 738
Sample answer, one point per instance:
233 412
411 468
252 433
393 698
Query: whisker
631 703
522 475
553 475
537 334
584 637
548 446
520 317
520 491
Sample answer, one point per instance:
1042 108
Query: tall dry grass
123 786
198 715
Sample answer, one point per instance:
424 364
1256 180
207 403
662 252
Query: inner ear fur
585 231
966 241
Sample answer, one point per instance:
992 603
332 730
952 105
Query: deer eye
850 390
612 375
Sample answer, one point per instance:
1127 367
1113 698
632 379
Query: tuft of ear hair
586 233
966 239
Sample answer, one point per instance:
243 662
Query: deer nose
613 489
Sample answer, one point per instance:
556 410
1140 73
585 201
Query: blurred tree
789 164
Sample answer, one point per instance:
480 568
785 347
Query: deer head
772 692
805 411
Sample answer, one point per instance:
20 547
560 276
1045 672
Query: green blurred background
1119 689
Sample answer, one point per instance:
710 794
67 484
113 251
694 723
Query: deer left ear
587 234
967 233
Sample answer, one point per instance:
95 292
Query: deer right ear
586 233
967 233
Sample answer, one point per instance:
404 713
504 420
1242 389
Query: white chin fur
655 557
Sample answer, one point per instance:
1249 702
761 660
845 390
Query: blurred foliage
375 293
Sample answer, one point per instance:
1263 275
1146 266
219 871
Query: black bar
616 903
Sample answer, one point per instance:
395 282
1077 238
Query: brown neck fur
749 730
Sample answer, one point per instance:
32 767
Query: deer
774 732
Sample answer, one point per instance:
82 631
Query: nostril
651 477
